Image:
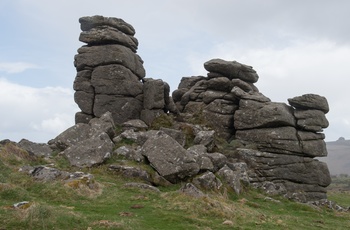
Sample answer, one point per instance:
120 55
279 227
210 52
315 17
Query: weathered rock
191 190
218 160
288 170
130 153
252 114
207 181
245 86
311 120
136 125
153 91
176 135
131 172
221 106
89 22
205 138
231 178
85 101
242 169
115 80
103 124
282 140
36 149
232 70
222 84
71 136
81 117
93 56
90 152
47 174
123 108
169 158
108 35
310 101
82 82
255 96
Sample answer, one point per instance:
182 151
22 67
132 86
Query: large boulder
124 108
169 158
295 173
253 114
90 152
232 70
36 149
115 80
311 120
310 101
93 56
108 35
89 22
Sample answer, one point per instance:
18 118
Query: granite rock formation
217 132
111 77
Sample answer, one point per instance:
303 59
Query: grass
110 205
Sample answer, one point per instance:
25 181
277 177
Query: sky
296 47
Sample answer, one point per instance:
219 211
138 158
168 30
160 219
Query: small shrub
164 120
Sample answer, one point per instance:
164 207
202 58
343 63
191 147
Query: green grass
110 205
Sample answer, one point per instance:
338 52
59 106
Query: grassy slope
112 206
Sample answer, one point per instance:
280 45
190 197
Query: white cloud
16 67
37 114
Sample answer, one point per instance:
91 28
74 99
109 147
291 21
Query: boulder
232 70
71 136
191 190
85 101
231 178
89 22
93 56
82 81
90 152
253 114
205 138
36 149
303 173
47 174
135 124
131 172
153 91
218 160
245 86
207 181
115 80
311 120
169 158
255 96
123 108
129 153
176 135
108 35
310 101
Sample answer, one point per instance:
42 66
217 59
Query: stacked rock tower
111 76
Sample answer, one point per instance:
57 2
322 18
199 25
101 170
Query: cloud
16 67
37 114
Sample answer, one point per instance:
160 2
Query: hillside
338 159
102 200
